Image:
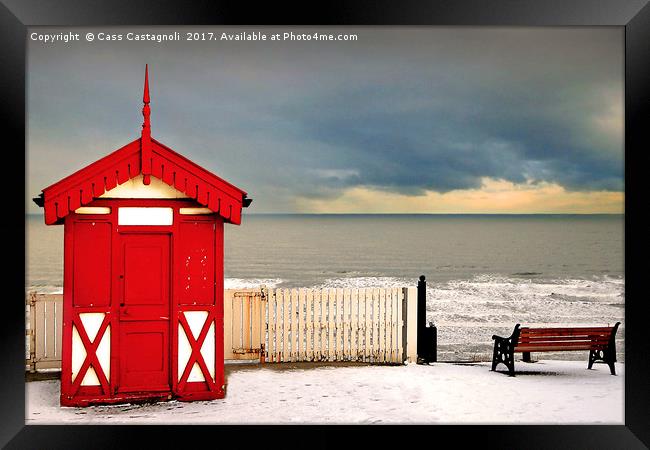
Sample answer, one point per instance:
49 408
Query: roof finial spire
145 98
145 141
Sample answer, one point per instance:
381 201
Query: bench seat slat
567 331
564 338
566 343
568 338
563 344
556 348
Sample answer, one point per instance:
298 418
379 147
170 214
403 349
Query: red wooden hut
143 274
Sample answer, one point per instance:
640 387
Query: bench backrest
596 337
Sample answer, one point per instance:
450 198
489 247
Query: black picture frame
634 15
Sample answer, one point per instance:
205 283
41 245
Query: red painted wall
143 279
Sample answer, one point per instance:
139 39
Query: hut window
144 216
92 210
188 211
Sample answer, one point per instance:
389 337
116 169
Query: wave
44 289
240 283
364 282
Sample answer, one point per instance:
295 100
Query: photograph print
325 225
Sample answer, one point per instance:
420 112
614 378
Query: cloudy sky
402 120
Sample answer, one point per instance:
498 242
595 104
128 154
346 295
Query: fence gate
45 321
244 318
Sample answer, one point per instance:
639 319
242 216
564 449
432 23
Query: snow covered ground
545 392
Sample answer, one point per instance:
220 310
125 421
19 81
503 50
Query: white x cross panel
91 350
196 348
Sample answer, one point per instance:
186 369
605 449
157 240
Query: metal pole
422 316
32 332
433 356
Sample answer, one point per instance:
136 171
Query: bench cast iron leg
508 357
608 354
504 351
612 368
526 356
593 356
495 357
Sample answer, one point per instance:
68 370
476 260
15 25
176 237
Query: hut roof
148 157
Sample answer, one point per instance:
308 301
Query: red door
144 271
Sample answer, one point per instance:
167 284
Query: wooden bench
598 340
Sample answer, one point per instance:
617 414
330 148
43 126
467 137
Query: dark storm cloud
403 109
449 146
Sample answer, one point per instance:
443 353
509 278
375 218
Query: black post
433 355
427 343
422 316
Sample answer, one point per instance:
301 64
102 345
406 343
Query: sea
484 273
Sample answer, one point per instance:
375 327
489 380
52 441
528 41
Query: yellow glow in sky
494 197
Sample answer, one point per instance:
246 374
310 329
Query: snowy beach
544 392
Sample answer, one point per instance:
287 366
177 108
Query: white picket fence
375 325
292 325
